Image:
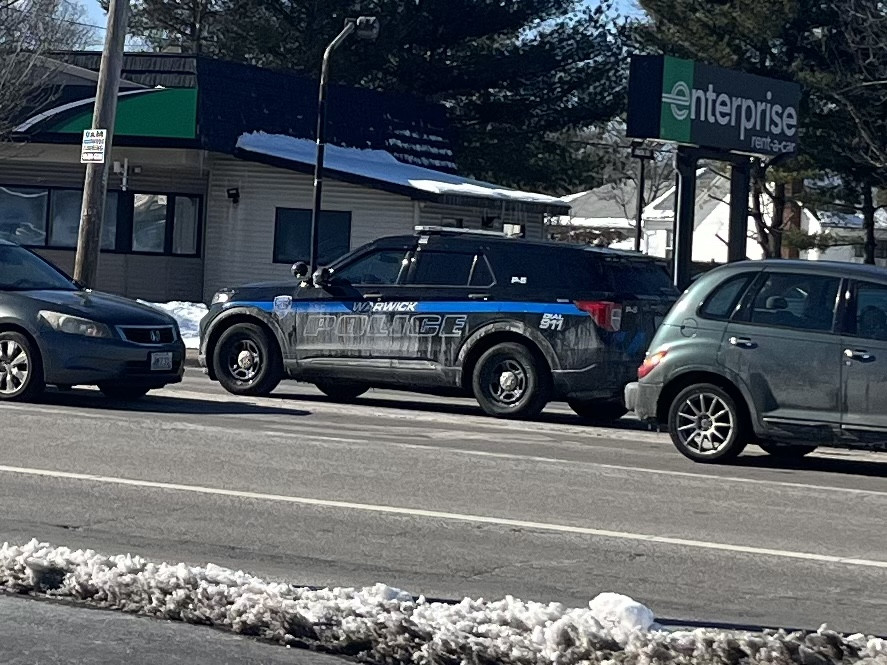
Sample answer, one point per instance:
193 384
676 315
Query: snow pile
384 625
187 315
382 166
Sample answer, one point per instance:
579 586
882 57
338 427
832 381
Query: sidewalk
36 632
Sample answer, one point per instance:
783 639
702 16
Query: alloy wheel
705 423
15 367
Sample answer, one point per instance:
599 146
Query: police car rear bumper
599 381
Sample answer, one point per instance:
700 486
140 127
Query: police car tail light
607 315
651 362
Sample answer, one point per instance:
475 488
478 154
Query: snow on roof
382 166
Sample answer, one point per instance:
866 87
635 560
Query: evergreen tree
516 76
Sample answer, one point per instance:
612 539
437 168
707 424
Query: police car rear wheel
598 410
509 382
341 392
246 362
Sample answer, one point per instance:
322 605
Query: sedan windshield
20 270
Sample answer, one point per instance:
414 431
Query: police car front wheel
246 361
509 382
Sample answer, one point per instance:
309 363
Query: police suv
516 323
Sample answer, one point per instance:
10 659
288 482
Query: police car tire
536 393
270 371
342 392
598 410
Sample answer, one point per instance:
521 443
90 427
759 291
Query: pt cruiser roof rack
430 230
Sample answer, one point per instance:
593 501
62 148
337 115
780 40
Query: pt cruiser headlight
74 325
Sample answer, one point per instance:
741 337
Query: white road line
453 517
305 436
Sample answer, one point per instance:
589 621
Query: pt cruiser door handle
743 342
859 354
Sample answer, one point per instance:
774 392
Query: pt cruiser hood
101 307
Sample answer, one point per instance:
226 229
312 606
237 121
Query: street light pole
366 27
642 154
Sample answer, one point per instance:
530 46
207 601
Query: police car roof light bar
427 230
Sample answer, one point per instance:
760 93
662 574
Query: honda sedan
53 331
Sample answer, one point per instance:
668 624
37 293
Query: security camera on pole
365 27
97 145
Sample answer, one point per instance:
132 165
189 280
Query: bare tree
29 30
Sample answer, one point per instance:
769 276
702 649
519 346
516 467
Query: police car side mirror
301 271
322 277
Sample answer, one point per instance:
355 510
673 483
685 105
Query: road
428 495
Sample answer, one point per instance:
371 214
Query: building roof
383 170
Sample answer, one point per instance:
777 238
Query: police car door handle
477 296
372 296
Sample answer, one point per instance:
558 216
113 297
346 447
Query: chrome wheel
508 382
705 423
15 367
245 360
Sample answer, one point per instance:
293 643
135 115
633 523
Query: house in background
601 213
212 175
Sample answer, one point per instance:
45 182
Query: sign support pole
685 215
95 187
737 243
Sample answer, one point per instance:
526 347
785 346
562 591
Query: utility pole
95 185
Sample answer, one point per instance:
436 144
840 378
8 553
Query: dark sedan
54 332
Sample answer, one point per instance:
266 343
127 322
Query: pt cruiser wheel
508 382
706 424
21 372
246 362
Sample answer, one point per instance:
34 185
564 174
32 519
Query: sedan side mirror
322 277
301 271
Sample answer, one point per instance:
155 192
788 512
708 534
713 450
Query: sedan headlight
74 325
221 297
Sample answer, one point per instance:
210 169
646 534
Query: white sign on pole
92 150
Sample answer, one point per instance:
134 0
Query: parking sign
92 150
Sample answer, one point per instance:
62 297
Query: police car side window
481 275
442 269
379 267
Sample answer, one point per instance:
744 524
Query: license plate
161 362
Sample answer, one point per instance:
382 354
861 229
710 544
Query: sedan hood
101 307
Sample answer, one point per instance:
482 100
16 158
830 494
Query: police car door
344 328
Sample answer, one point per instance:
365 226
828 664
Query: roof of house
383 170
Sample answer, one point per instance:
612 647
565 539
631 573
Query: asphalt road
429 495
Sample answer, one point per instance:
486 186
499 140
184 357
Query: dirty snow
187 315
381 624
381 166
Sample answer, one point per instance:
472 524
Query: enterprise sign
692 103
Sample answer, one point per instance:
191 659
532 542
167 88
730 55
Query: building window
186 225
148 223
292 235
149 213
64 219
23 215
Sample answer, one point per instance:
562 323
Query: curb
191 358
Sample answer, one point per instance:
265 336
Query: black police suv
516 323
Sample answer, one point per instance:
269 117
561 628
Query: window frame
125 212
406 266
751 278
306 259
850 301
745 309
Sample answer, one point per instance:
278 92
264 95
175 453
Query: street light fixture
365 27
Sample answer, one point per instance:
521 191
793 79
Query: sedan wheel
706 425
21 372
